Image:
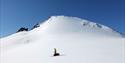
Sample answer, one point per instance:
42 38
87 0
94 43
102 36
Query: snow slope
77 40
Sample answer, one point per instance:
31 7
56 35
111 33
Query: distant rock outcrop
22 29
99 25
35 26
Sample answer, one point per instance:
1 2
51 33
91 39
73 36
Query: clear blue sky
25 13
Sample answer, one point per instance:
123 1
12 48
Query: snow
76 43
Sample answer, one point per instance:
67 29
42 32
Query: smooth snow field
76 43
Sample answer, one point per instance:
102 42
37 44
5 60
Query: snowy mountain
77 40
58 24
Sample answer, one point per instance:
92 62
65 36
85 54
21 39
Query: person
55 53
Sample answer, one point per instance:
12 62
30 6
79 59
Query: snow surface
77 40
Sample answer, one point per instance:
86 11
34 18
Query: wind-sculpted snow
76 40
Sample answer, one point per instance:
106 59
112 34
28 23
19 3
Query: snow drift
77 40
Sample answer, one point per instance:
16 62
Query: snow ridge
72 22
66 24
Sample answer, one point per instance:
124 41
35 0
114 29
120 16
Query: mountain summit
65 24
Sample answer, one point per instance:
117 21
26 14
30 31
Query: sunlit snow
76 41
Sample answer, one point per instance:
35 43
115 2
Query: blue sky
25 13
